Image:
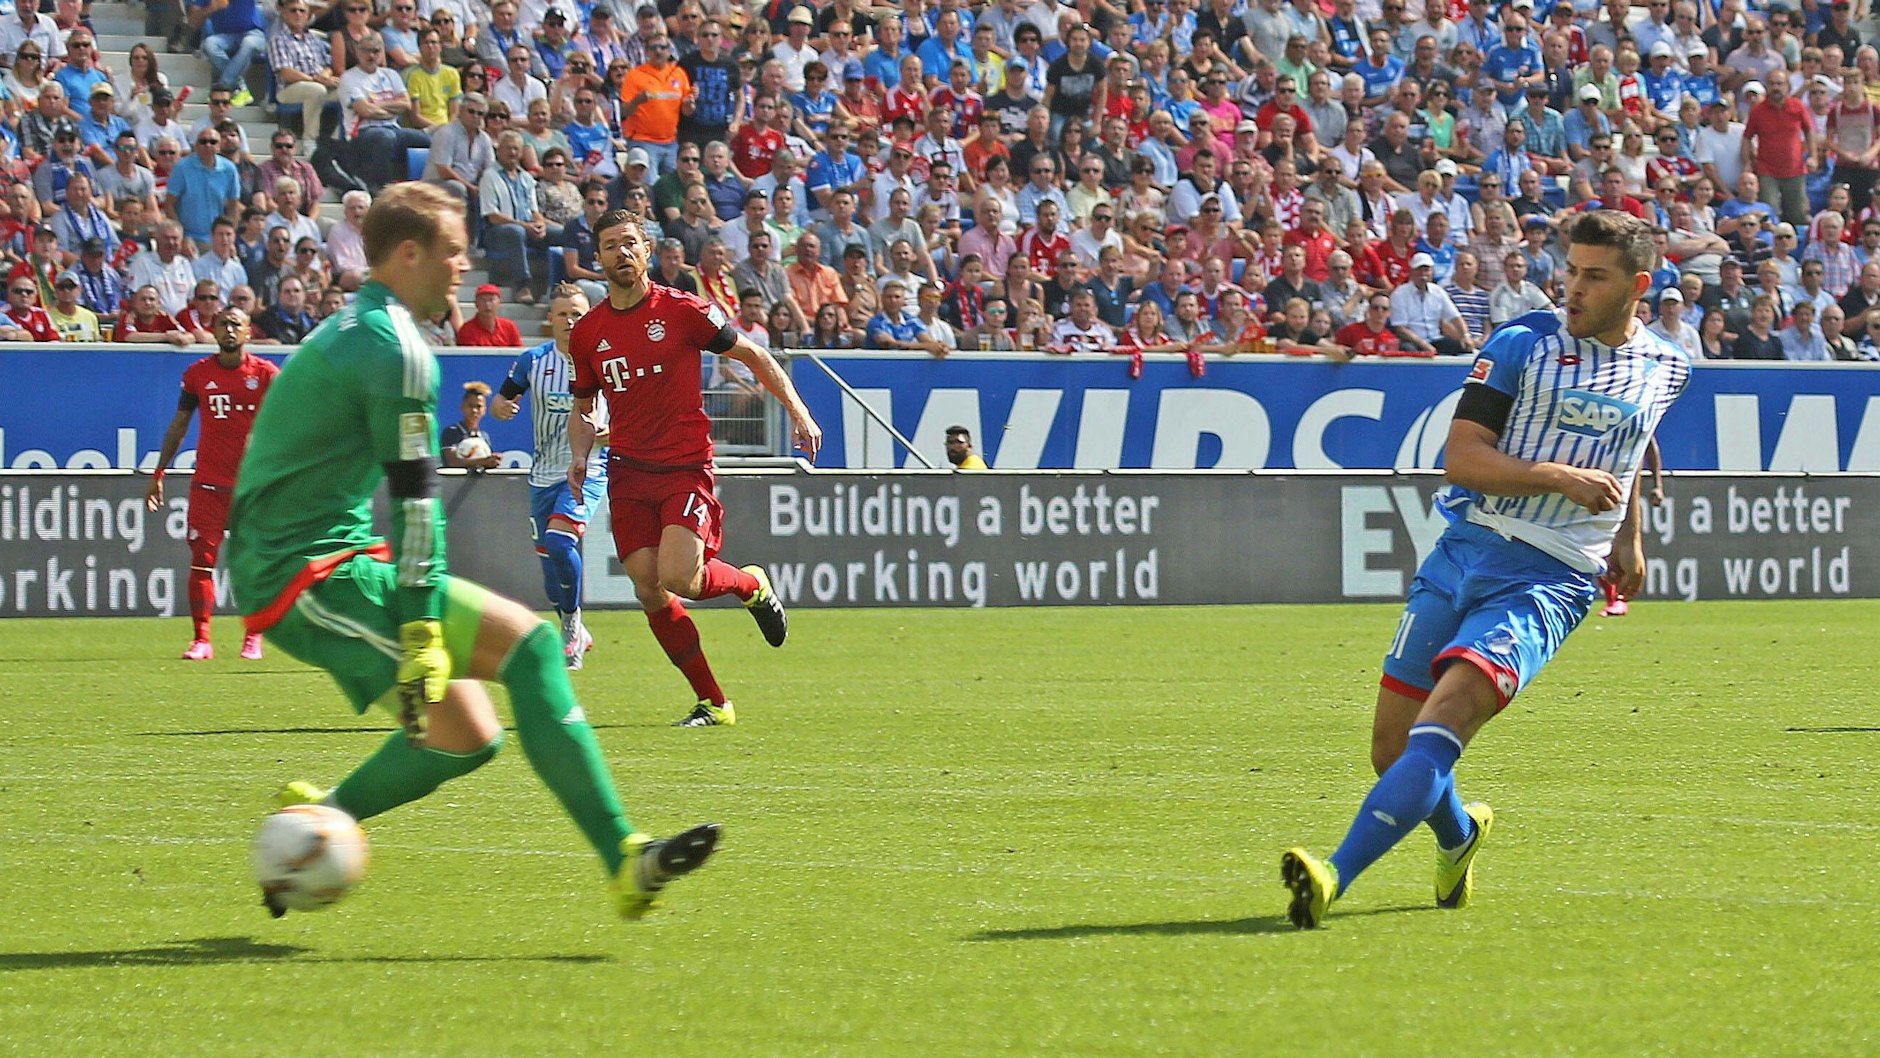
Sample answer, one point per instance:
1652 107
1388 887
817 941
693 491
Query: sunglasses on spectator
28 55
208 297
24 290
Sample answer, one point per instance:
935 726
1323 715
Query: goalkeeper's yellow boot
705 714
652 863
1313 884
299 792
1455 879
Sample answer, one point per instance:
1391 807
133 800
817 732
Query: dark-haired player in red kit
642 349
227 388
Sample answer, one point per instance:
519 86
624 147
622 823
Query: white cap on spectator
1247 125
1422 260
1529 4
1447 167
1671 294
1697 47
1755 87
1663 48
1589 93
1821 79
638 156
802 14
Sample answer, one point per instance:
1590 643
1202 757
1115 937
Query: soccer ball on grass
307 857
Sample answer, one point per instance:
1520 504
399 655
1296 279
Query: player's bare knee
686 585
464 722
1384 752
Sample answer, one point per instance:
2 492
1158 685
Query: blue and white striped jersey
1580 402
546 374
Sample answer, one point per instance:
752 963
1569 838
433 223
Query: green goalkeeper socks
559 743
399 773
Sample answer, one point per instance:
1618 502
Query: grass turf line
1017 832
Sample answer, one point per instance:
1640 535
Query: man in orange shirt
815 284
652 95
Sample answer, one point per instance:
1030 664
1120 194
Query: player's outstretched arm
1472 461
172 440
804 432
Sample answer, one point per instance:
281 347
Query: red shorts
208 521
642 503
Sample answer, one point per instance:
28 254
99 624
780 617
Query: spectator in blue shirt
1584 122
232 40
1380 71
946 44
99 129
1514 63
1511 161
203 186
1663 84
80 75
883 63
896 328
835 169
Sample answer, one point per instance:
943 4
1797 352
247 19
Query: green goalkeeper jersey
359 394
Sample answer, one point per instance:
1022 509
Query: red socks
678 636
723 578
201 599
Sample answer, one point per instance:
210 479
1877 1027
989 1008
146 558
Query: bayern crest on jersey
656 331
254 383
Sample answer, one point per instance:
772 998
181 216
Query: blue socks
551 581
1405 795
561 568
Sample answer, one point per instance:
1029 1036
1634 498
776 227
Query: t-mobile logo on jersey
219 404
617 373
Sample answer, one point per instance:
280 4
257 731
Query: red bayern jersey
227 399
753 148
646 363
1043 250
1363 341
966 107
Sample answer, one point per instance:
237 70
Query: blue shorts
1498 604
547 501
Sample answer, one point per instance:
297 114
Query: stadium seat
415 161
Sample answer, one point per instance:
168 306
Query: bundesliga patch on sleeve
414 435
1479 373
717 316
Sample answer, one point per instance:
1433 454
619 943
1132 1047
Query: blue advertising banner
115 401
1034 411
1031 411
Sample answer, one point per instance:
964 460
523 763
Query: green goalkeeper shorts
348 624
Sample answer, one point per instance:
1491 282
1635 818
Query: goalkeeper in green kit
353 407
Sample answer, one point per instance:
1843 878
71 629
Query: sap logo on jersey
1591 414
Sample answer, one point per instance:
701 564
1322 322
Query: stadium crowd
1336 177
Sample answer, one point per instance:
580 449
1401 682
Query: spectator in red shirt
1371 336
1394 253
1612 196
487 328
143 320
1780 146
25 320
1318 240
758 140
1285 101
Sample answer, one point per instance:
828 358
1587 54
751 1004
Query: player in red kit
227 389
642 349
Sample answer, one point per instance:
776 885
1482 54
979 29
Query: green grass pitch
949 833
